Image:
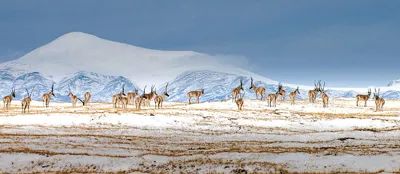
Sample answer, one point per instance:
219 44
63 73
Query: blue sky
344 42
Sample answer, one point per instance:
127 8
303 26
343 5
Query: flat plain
211 137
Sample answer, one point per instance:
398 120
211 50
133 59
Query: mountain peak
76 36
76 41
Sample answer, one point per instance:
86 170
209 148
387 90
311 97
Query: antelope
196 94
7 99
148 97
73 98
379 101
312 94
272 99
47 96
139 99
132 96
26 102
364 98
293 95
236 91
240 102
281 92
324 96
258 90
124 101
159 99
120 98
87 98
115 100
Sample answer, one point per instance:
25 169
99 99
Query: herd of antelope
123 99
238 95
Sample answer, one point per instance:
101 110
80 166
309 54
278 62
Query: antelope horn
32 91
83 102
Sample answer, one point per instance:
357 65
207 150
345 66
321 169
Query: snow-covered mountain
76 51
84 81
82 62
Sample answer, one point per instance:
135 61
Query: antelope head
136 91
52 90
202 91
252 86
280 87
144 91
317 86
297 90
322 89
376 94
29 93
69 92
369 92
123 89
13 92
241 85
166 90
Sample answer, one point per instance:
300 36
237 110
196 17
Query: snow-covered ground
202 138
